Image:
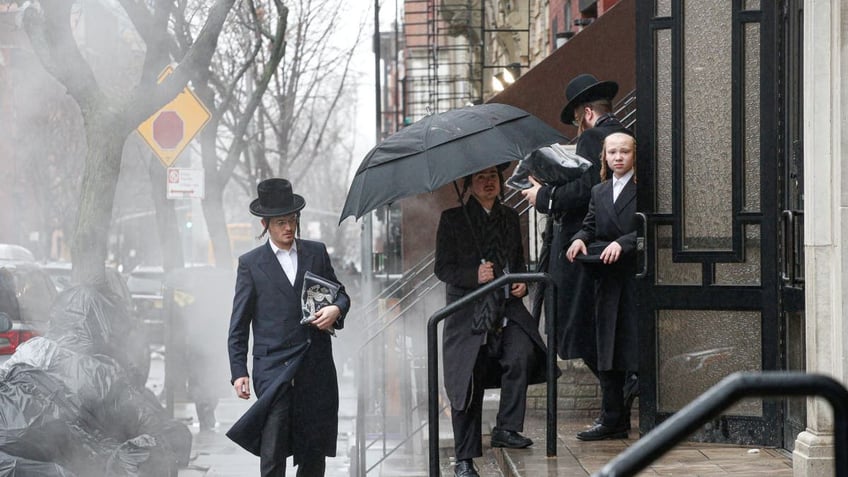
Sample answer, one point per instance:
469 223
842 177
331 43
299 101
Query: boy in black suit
611 218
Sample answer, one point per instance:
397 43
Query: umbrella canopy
441 148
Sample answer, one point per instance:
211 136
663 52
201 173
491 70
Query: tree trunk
105 137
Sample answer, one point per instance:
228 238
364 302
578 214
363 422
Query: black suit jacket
268 304
615 298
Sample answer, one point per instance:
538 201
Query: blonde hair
604 167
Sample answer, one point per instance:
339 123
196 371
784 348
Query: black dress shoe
510 439
465 468
600 432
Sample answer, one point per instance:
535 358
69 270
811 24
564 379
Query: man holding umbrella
475 243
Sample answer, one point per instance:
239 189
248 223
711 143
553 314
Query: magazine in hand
318 292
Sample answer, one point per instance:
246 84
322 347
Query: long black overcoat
457 261
266 301
567 205
616 320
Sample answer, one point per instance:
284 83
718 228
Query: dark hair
466 181
600 106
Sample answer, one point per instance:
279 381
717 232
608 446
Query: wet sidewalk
214 455
578 458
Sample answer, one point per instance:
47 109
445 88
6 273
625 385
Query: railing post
551 330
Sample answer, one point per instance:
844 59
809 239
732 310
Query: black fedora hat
583 89
275 199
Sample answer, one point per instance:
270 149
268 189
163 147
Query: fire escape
459 52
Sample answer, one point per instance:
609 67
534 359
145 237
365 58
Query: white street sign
186 183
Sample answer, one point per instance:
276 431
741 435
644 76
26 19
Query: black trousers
276 442
612 398
513 350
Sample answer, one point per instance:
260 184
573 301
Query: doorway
720 292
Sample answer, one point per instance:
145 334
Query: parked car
146 286
15 253
60 274
26 294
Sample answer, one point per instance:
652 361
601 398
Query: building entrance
719 176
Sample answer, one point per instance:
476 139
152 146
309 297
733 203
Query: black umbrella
441 148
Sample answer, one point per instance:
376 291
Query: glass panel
668 272
663 121
752 4
707 152
796 408
699 348
752 117
748 271
663 8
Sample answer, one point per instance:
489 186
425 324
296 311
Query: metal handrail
433 357
723 395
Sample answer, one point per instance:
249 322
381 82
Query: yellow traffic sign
169 130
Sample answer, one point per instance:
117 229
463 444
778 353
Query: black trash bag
43 422
112 408
90 322
550 165
12 466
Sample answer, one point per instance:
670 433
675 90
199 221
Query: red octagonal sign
168 129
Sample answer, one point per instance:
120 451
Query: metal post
551 329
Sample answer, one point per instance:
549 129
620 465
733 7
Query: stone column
826 220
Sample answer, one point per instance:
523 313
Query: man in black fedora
293 371
589 108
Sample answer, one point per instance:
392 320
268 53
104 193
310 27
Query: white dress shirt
619 183
287 259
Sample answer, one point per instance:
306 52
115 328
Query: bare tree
109 118
306 121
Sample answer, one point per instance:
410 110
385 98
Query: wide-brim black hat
583 89
276 199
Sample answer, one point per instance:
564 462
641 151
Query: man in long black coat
475 243
293 371
589 108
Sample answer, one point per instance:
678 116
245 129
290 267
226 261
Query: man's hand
577 247
326 317
611 253
530 194
242 387
518 290
485 272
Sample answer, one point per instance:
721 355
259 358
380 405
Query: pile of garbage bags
70 404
